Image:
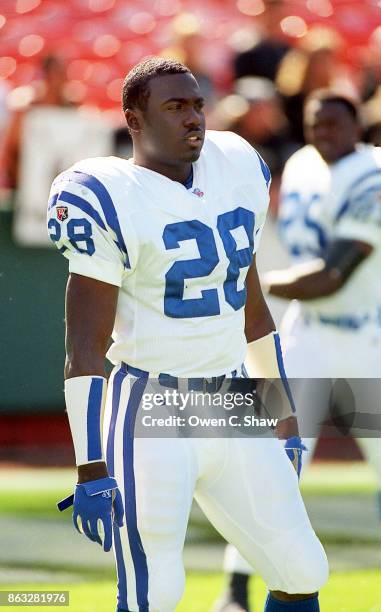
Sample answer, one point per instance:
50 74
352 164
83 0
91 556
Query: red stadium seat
102 39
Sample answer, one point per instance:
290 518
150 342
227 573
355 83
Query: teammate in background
158 248
330 222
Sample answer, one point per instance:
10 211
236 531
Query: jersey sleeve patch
81 204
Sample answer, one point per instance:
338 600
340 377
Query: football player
161 252
330 223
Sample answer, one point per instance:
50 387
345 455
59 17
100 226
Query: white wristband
85 399
264 360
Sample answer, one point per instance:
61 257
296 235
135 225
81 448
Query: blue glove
96 504
294 449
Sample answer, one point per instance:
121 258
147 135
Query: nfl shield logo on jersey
62 213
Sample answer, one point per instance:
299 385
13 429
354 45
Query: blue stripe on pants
122 579
116 389
137 551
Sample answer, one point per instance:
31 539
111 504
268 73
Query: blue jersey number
79 232
240 258
207 305
301 233
174 305
55 235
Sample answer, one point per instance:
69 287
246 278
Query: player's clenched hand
96 505
294 449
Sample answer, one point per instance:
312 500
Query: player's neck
179 173
344 155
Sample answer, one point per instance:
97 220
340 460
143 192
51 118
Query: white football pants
247 488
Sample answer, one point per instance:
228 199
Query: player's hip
197 356
315 348
159 406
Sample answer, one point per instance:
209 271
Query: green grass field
349 592
27 494
34 492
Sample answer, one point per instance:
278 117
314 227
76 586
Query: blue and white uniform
180 257
320 204
338 336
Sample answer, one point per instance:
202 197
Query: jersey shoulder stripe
375 172
372 173
265 169
99 190
78 202
53 201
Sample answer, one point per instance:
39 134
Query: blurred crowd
255 70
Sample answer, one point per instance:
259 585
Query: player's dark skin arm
90 316
321 277
258 319
259 323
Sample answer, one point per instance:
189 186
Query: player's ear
133 120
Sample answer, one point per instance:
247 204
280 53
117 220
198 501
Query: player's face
174 123
330 127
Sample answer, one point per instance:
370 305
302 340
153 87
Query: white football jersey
179 256
321 203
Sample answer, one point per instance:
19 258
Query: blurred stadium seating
102 39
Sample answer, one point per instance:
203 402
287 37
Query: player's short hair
135 92
330 96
